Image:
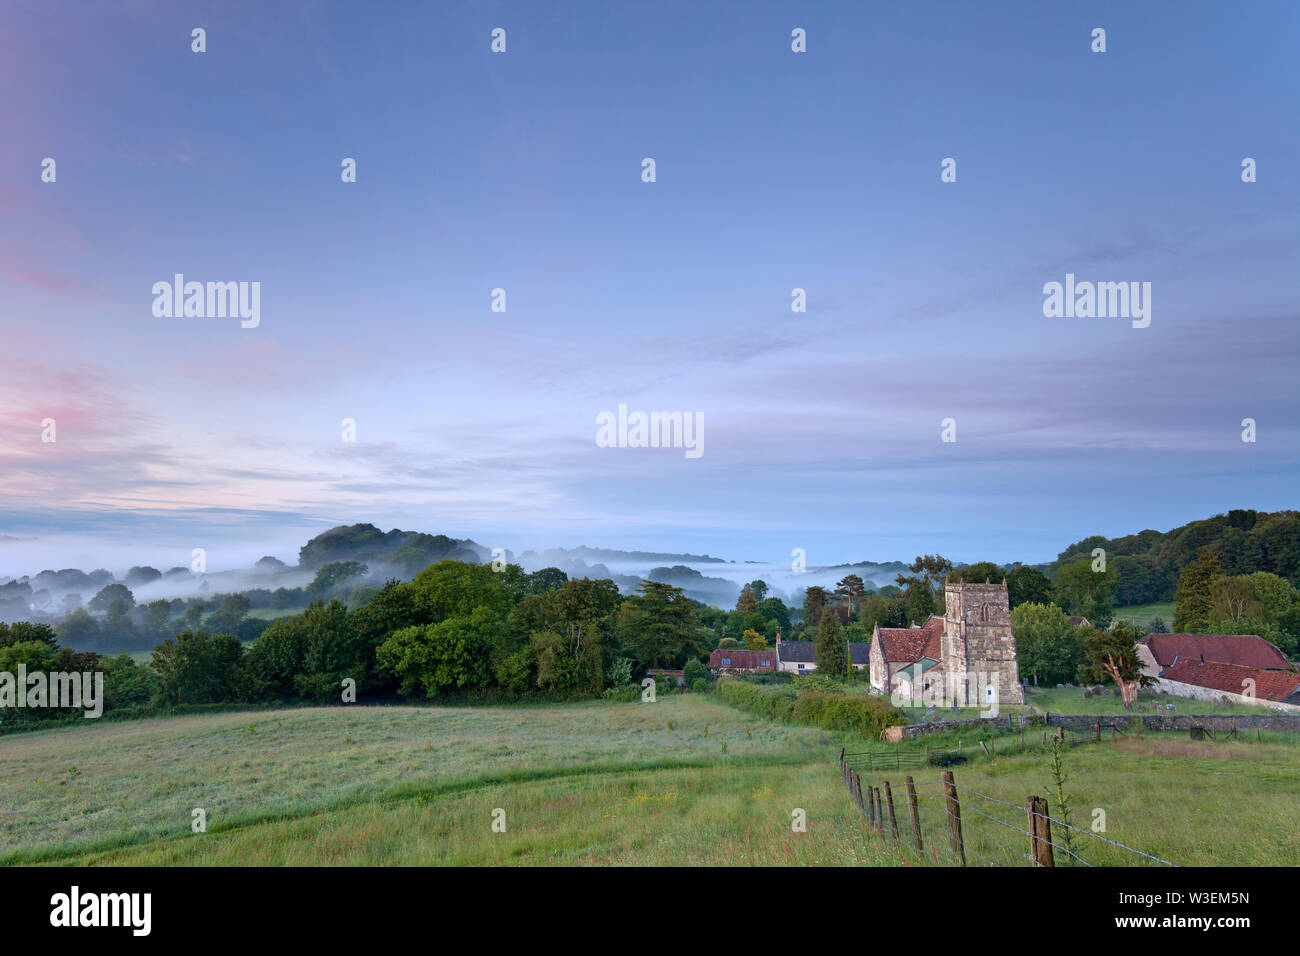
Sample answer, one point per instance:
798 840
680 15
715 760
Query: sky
522 170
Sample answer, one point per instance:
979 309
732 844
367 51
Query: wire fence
945 824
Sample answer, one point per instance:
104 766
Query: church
967 657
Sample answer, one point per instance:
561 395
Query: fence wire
947 839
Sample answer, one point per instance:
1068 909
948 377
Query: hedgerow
853 713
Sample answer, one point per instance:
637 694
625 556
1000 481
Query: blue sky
521 170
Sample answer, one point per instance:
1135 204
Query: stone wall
1007 721
1085 722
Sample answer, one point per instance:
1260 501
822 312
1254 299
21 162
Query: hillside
1149 562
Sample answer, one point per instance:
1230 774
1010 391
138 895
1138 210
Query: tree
923 588
116 623
981 571
142 575
659 625
1081 590
331 575
454 653
1027 585
831 651
196 668
229 614
746 604
851 589
157 614
110 593
20 632
1048 648
1112 650
547 579
754 641
814 603
79 629
1194 600
758 589
456 588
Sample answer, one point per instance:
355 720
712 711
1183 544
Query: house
737 660
970 652
1204 679
796 657
800 657
1077 621
1159 651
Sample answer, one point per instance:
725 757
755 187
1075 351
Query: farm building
1204 679
1159 651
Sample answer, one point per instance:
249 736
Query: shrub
695 671
627 694
816 680
700 686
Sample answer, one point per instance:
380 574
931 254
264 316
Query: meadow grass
95 784
684 781
1143 613
1065 700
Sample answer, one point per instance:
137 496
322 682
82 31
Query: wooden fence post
880 811
871 809
1040 832
893 821
915 815
1099 731
954 817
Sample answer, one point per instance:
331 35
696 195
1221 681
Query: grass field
1143 613
686 780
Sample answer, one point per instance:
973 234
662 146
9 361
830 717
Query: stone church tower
979 650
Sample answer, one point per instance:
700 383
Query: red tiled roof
1244 650
1269 685
909 644
742 659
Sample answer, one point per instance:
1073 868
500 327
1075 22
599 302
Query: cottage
737 660
800 657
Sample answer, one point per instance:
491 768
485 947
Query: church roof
911 644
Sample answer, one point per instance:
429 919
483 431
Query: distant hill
1150 562
716 591
402 550
554 557
873 573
